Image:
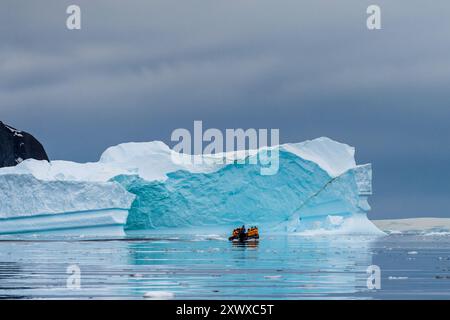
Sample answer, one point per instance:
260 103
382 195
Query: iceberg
318 189
29 205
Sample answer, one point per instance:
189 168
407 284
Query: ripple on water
186 267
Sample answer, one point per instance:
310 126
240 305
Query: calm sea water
209 267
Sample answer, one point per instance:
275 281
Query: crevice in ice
315 194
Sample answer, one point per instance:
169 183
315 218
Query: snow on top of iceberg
153 161
154 158
134 151
334 157
150 160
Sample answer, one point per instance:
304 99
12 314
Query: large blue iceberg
318 188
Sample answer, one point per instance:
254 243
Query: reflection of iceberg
286 267
318 187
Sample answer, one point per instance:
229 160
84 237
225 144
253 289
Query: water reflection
248 244
278 267
275 267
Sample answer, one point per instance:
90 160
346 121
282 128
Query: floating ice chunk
159 295
273 277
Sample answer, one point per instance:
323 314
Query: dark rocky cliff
16 146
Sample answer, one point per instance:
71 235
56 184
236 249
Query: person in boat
242 234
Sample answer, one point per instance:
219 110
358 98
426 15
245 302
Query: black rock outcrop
16 146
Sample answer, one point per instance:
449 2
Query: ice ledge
23 195
99 223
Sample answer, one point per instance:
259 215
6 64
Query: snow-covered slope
318 187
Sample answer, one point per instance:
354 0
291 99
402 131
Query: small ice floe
397 278
273 277
436 234
159 295
412 252
204 237
215 237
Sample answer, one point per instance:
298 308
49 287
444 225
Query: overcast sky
140 69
